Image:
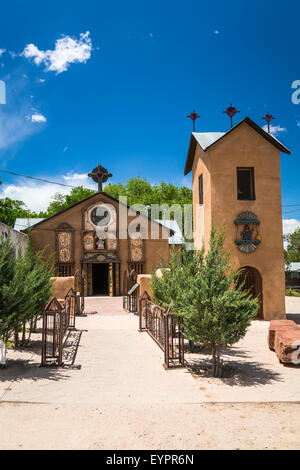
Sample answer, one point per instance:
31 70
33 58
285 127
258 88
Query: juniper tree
7 268
176 276
216 309
203 289
25 287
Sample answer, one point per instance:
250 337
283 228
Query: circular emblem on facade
247 232
100 216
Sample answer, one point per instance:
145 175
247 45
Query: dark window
245 184
64 270
137 267
201 189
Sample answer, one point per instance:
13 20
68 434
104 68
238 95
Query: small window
245 184
137 267
201 189
65 270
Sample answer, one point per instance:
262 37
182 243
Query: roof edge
247 120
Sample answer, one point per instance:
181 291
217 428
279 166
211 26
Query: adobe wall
244 147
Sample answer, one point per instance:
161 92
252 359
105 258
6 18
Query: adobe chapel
236 186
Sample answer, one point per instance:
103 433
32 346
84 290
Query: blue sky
139 71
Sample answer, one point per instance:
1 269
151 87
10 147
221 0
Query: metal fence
164 328
56 321
129 300
71 305
130 303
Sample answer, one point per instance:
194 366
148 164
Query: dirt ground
113 393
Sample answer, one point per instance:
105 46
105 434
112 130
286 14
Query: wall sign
247 232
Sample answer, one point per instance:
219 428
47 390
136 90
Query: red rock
278 324
286 343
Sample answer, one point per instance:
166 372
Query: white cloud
290 225
42 80
216 31
274 129
75 177
2 51
38 117
37 195
67 51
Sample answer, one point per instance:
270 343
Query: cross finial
99 175
193 116
231 111
268 117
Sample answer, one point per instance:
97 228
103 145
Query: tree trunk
23 334
214 364
16 336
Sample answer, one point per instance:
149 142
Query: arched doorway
253 282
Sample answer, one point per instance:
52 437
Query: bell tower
237 185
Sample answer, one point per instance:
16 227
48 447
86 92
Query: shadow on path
242 373
17 370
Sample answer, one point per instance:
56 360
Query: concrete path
117 395
114 364
117 364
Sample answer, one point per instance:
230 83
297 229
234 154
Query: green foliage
139 191
292 253
24 289
292 293
11 209
62 201
183 266
216 310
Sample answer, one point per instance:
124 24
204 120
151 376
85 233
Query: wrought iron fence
56 321
164 328
71 306
129 299
130 303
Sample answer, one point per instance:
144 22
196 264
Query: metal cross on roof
268 117
231 111
99 175
193 116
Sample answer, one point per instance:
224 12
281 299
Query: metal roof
176 238
208 139
205 139
23 223
292 267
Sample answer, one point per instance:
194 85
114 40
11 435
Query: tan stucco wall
43 236
244 147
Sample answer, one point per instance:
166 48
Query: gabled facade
237 186
89 238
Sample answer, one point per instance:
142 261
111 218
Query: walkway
114 364
117 395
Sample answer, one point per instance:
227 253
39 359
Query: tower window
245 184
201 189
